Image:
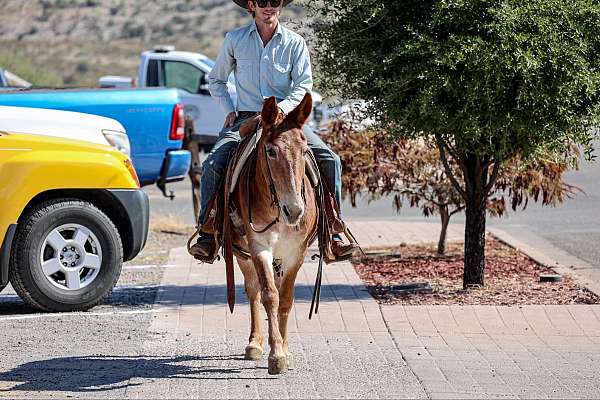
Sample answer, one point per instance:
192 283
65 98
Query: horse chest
286 248
288 245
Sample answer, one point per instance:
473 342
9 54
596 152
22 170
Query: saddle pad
249 146
312 170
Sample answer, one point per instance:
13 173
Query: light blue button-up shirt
280 69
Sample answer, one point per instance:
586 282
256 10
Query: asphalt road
574 226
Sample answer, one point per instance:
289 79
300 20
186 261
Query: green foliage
493 78
26 70
489 80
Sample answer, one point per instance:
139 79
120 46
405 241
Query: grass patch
25 69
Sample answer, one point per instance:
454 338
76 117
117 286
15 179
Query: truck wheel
67 256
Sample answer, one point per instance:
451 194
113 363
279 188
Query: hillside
80 40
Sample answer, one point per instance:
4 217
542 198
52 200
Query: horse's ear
249 126
302 112
270 111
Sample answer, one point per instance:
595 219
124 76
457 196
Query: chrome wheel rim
71 257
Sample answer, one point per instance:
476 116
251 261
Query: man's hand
229 120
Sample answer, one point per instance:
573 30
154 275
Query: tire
94 259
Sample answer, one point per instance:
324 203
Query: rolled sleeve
219 75
302 81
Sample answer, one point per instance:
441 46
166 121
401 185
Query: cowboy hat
244 3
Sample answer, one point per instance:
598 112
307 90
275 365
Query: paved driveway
187 345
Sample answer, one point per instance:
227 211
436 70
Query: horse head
282 146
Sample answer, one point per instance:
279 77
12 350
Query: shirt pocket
280 75
244 71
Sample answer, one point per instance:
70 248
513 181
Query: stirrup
352 239
345 252
204 259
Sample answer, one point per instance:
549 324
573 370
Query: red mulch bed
510 277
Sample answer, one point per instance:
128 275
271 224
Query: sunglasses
263 3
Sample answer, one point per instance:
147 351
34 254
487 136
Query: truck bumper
5 255
137 207
176 166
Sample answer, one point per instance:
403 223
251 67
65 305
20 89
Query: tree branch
493 178
451 176
457 210
454 153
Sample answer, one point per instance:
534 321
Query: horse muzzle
292 213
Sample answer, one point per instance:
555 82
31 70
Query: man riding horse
267 60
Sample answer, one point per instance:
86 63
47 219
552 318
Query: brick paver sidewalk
355 348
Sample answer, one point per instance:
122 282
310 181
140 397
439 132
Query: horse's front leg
286 302
254 350
263 262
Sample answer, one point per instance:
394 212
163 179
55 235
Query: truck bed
146 114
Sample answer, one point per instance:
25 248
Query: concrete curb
548 255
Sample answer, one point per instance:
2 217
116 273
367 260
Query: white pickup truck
65 124
187 71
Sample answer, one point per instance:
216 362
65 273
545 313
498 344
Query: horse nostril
292 212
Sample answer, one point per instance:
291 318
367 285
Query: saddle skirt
243 153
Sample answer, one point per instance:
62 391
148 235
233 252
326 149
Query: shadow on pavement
217 294
144 297
121 298
103 373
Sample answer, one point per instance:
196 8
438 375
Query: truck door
208 116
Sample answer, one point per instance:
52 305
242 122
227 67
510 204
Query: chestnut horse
276 203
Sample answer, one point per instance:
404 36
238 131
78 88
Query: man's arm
301 77
219 75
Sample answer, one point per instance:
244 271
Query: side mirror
203 87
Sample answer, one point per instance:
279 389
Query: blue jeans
215 164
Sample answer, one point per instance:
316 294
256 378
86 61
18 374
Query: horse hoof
278 365
290 361
253 353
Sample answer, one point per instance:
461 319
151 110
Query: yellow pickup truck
70 213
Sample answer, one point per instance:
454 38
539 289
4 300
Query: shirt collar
278 32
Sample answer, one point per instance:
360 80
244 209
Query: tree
487 80
411 171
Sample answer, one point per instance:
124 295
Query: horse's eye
271 153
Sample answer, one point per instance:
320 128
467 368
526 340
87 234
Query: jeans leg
329 163
214 166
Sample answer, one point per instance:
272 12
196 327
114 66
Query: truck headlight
118 140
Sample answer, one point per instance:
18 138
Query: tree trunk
474 244
475 221
441 249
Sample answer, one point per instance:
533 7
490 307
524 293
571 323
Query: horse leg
286 302
254 350
263 262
